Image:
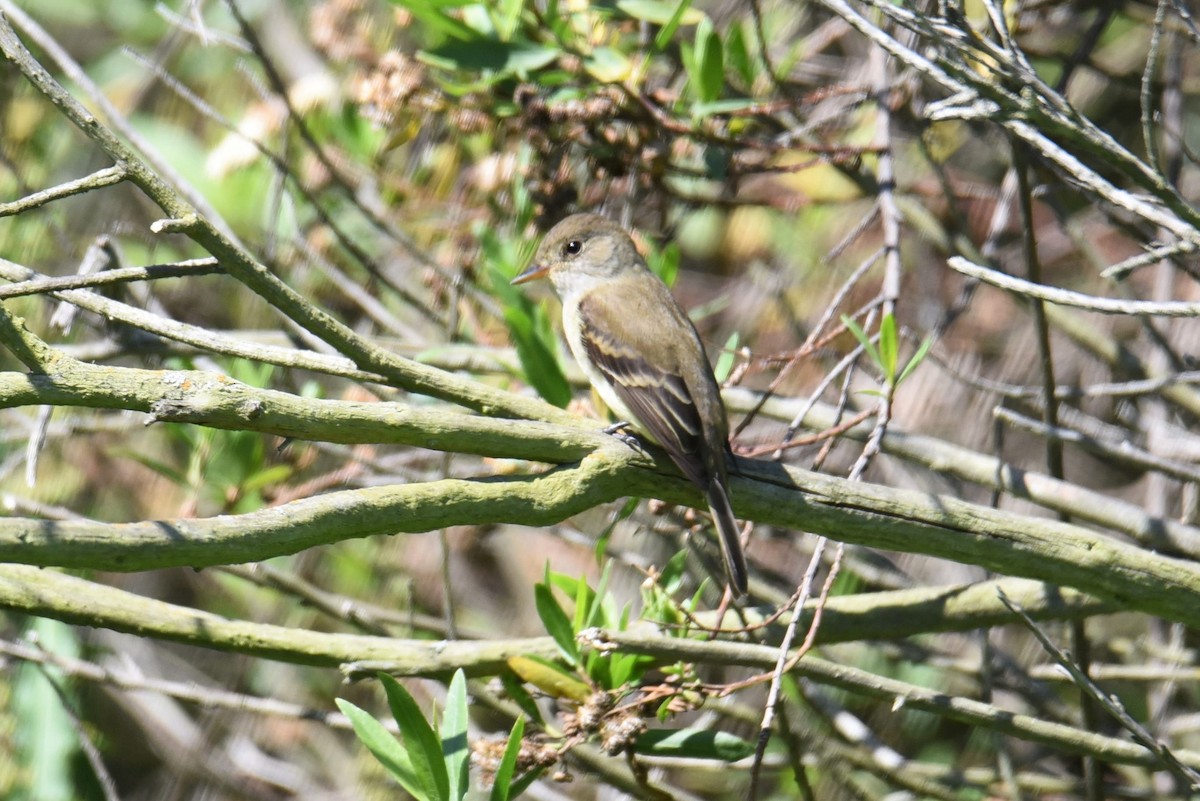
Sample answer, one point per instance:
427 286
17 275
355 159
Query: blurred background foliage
396 163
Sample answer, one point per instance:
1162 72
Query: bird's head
581 251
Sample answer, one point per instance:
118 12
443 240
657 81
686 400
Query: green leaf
601 602
552 679
608 65
679 17
693 744
710 63
380 742
584 597
515 691
628 667
522 784
162 468
557 624
430 14
674 573
662 13
863 340
728 106
276 474
510 15
508 763
727 358
665 263
537 357
669 16
489 55
737 55
420 741
889 347
602 541
433 4
456 750
46 744
916 359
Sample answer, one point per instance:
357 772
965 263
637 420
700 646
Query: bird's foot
619 431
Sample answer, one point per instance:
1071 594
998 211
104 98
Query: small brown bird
643 355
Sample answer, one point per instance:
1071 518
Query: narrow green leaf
510 15
863 340
728 106
693 744
889 347
583 601
688 57
599 601
673 573
659 12
537 357
567 585
508 763
486 55
916 359
557 624
433 18
456 750
710 63
598 668
516 691
679 17
275 474
386 748
522 784
162 468
46 744
433 4
478 17
726 359
420 741
737 55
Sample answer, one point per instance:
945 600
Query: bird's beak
532 273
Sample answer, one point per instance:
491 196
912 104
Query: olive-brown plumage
643 355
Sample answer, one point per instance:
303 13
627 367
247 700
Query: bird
643 355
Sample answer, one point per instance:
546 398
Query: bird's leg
618 430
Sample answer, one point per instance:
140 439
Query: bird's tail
729 534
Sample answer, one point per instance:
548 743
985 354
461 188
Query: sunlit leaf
552 679
456 751
420 741
430 14
608 65
728 106
662 13
726 359
693 744
480 55
386 748
557 624
502 784
710 63
889 347
737 55
863 340
518 694
537 356
917 358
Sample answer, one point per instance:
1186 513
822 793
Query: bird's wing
655 391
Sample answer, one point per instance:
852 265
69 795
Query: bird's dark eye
572 248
